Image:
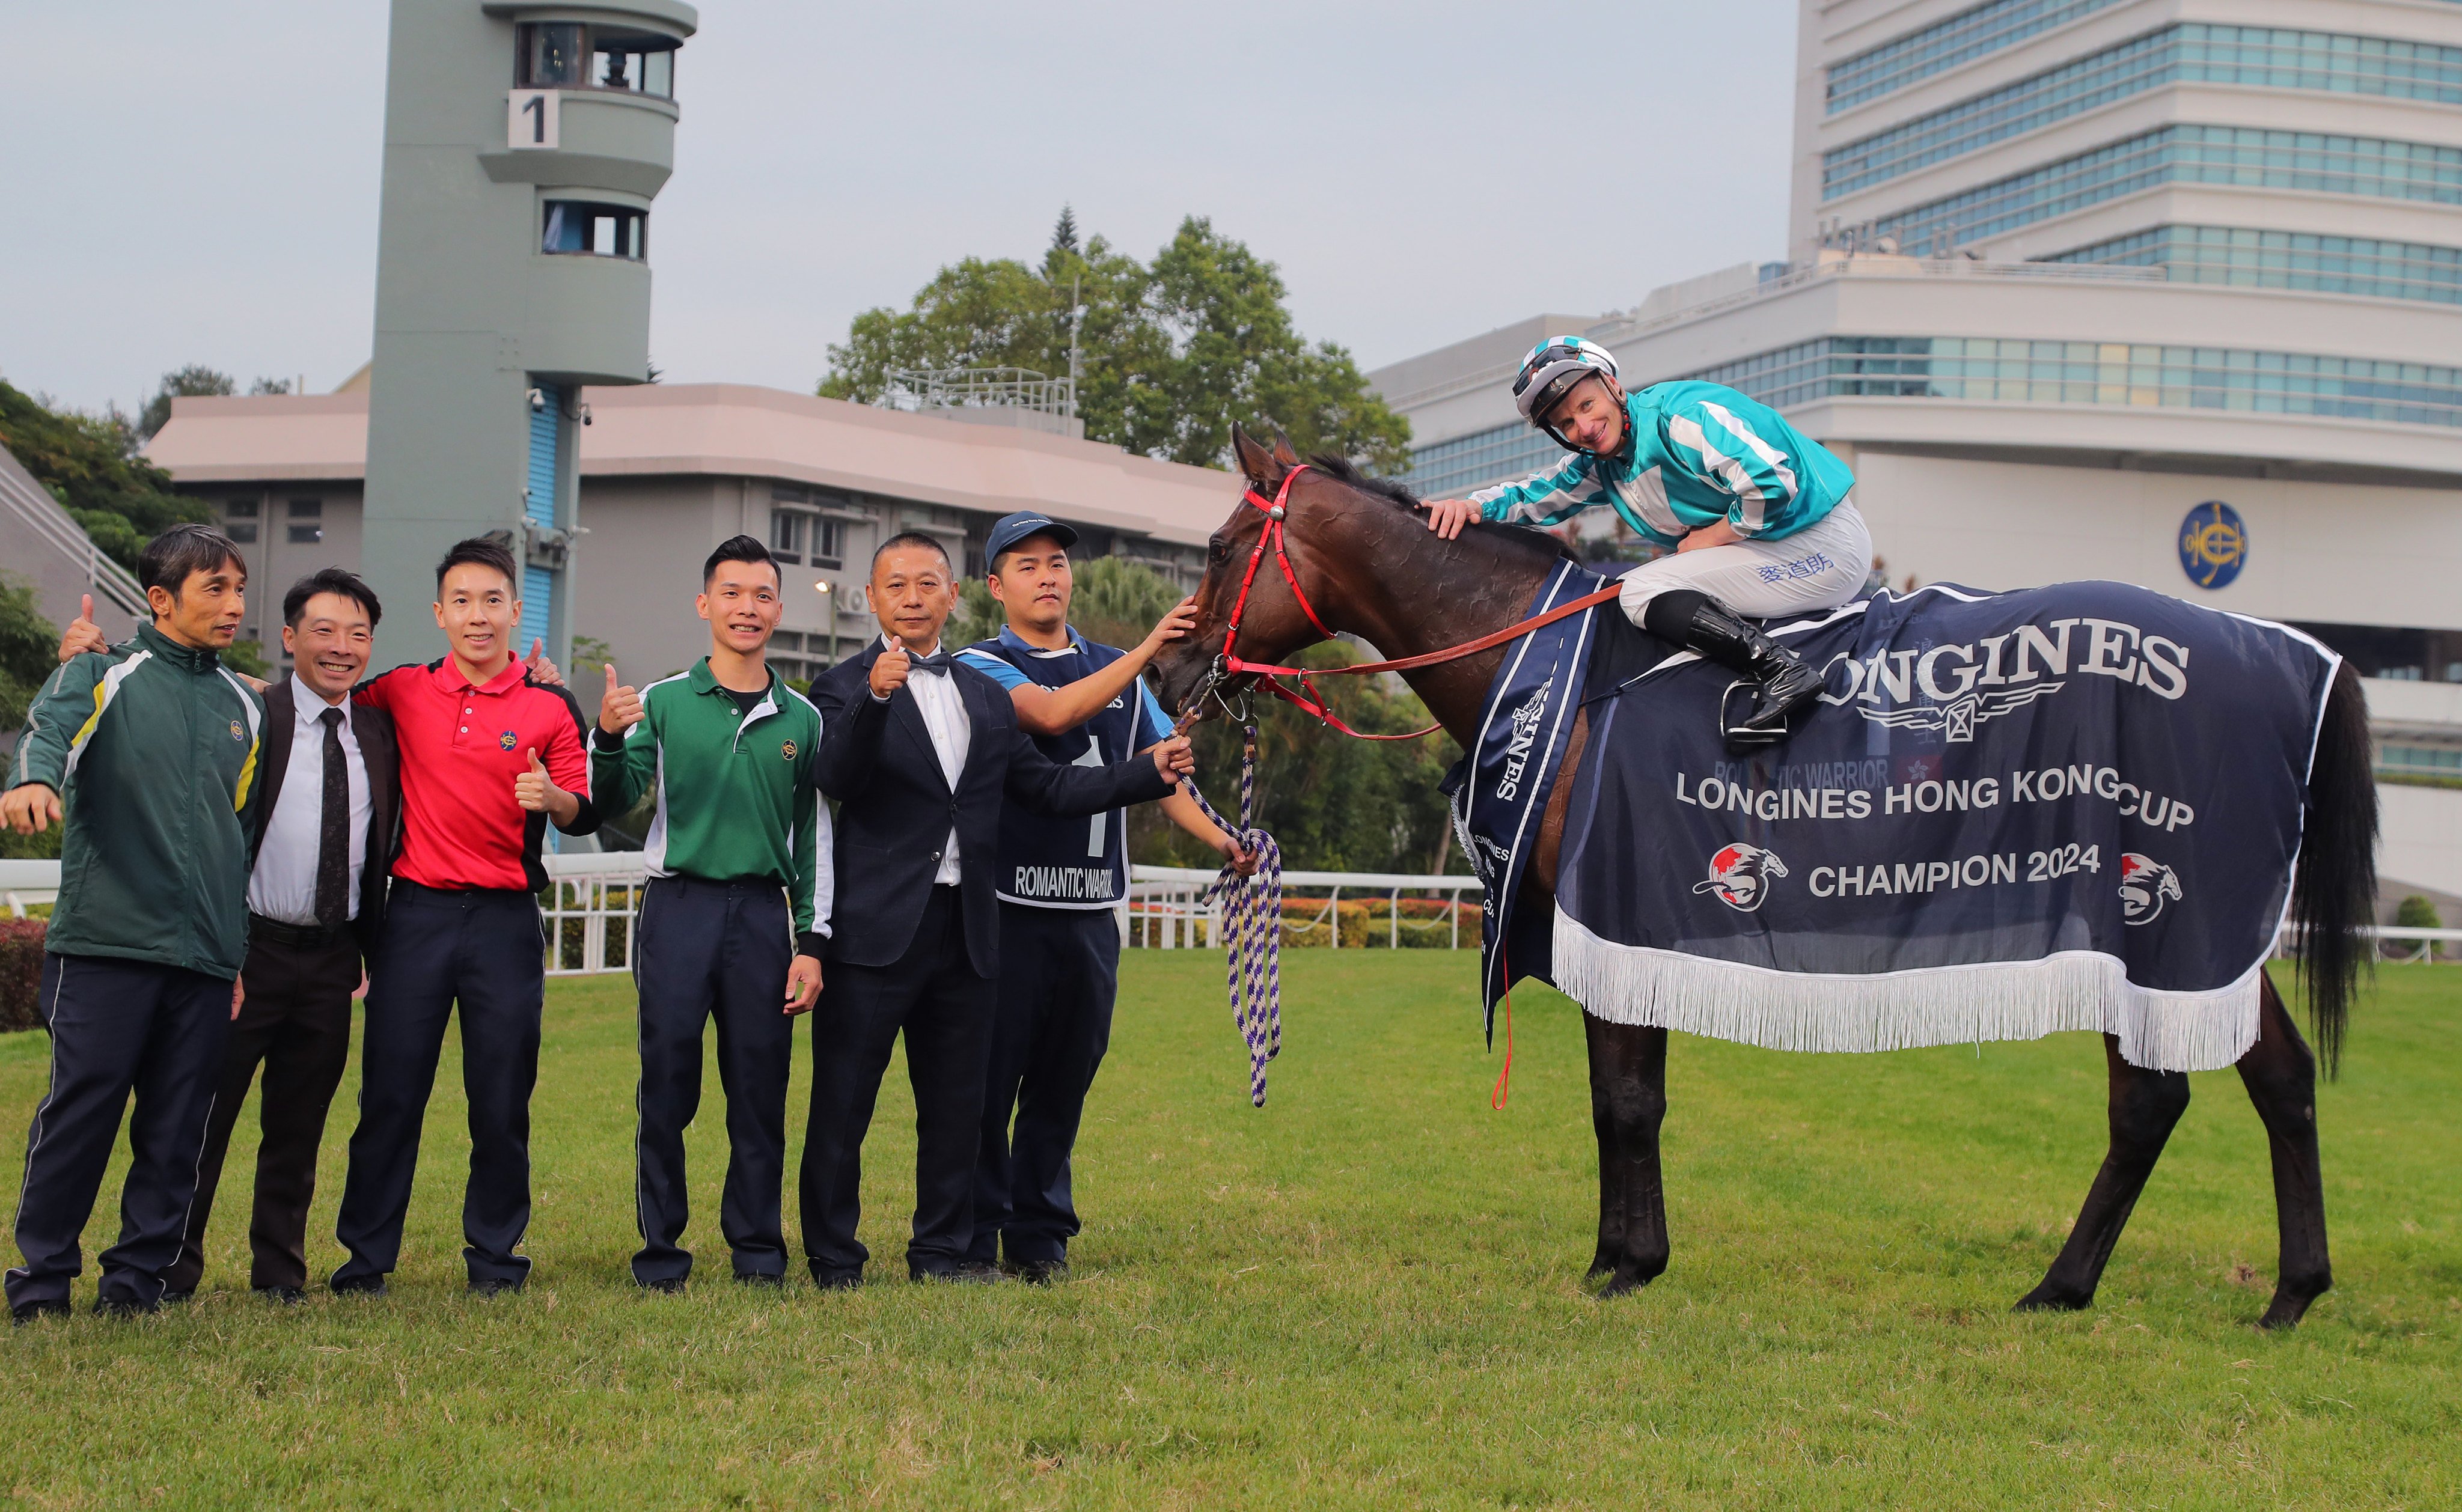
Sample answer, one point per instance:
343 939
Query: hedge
21 973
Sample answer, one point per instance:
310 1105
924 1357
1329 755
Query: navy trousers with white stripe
116 1027
712 951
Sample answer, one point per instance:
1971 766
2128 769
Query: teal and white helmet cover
1551 369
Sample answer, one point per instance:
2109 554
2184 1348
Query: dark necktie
334 831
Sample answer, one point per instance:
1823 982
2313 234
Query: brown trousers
296 1020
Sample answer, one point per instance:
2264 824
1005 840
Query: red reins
1306 697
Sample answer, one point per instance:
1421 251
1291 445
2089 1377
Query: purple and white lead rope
1252 926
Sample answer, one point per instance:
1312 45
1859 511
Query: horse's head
1317 508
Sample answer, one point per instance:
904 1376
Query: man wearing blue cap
1058 879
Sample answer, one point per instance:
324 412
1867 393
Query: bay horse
1361 554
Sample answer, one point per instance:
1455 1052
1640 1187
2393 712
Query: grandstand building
2163 291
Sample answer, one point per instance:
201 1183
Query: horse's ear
1255 461
1285 452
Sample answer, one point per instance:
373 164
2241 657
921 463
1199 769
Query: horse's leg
1611 1154
2144 1106
1629 1099
2280 1076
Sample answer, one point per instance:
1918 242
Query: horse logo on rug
1739 874
2144 884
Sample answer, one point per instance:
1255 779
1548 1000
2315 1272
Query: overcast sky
191 182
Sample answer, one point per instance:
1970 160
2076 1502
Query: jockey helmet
1550 370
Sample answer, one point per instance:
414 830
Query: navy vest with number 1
1080 862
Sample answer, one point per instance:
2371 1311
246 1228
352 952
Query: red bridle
1277 511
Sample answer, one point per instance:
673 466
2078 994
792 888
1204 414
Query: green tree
1175 353
29 647
89 463
196 381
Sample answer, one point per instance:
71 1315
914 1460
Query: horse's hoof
2287 1308
2048 1298
1627 1278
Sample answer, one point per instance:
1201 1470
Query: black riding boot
1782 684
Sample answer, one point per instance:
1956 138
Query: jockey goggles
1549 373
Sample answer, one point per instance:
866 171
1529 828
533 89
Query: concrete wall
2337 552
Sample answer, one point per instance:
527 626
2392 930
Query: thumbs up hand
620 708
889 672
543 672
534 790
83 635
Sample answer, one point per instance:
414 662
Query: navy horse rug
2068 807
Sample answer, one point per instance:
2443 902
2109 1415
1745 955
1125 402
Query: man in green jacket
732 923
149 750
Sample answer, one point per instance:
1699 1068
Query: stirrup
1741 738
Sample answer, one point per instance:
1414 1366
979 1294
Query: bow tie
938 662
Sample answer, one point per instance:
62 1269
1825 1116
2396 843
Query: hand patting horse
1359 561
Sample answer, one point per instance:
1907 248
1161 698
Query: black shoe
25 1313
967 1273
356 1285
1782 684
279 1296
836 1280
497 1285
1039 1272
123 1308
173 1298
770 1279
671 1286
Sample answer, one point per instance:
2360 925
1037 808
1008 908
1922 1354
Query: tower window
600 230
567 55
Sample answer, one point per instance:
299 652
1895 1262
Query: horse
1359 550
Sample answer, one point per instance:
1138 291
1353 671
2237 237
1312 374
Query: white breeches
1817 568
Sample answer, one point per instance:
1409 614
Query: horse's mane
1394 492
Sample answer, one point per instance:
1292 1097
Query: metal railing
30 502
920 389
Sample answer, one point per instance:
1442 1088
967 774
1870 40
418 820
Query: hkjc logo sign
508 739
1739 876
1982 679
2214 544
2146 884
787 748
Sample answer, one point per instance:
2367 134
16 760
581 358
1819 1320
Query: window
2235 155
644 65
552 54
2028 372
2259 259
598 230
565 54
786 531
2263 57
239 520
1945 44
306 521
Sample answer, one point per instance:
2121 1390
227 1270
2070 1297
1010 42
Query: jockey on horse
1758 513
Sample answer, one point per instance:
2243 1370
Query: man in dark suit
328 815
920 750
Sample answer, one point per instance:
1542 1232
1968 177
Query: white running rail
590 899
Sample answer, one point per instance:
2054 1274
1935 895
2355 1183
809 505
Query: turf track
1366 1295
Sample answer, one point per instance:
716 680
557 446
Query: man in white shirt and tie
920 751
329 808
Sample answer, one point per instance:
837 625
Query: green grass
1367 1294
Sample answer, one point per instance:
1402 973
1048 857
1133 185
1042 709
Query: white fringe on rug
2019 1000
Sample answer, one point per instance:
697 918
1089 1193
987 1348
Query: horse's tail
2333 899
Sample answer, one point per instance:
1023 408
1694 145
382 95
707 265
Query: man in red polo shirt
489 759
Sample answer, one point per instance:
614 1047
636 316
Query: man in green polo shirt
732 923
